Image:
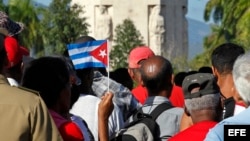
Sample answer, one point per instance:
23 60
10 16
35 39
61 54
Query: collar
156 100
12 82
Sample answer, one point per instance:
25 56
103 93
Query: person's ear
172 78
131 73
214 70
142 83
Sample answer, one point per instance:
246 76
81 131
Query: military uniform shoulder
28 90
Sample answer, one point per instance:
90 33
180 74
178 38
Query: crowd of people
46 98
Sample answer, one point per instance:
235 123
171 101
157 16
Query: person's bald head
156 73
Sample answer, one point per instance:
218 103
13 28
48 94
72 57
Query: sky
195 8
45 2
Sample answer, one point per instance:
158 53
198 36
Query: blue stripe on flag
89 65
86 44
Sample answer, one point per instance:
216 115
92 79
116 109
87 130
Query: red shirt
196 132
177 97
140 93
68 129
70 132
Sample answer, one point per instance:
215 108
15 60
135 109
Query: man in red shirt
136 56
202 104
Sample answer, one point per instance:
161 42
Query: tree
232 18
231 24
126 38
2 6
62 24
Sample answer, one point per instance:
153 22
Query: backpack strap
154 114
159 109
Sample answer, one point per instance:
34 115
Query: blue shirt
217 133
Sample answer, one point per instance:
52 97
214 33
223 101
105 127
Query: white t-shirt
238 109
86 107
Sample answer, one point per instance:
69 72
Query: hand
106 106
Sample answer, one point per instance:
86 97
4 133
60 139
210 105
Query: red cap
137 54
15 52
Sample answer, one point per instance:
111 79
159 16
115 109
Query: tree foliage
126 38
47 30
62 24
231 24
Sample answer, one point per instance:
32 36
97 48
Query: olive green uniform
24 116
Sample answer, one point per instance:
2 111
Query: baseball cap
15 52
206 83
11 26
137 54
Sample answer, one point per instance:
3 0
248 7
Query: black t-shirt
229 106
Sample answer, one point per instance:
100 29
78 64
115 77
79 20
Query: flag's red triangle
101 53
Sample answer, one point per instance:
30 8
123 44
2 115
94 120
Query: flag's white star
102 53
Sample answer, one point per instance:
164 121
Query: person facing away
179 77
205 69
15 51
75 82
241 75
222 59
50 77
202 104
25 116
89 99
156 74
121 76
136 57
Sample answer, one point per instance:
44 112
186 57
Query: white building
165 30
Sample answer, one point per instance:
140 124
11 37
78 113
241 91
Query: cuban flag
89 54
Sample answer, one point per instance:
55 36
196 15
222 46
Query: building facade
162 23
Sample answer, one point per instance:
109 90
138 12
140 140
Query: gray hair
210 101
241 76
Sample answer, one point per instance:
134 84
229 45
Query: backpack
143 127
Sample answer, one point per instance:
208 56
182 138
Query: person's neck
58 109
203 115
87 91
226 84
163 93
